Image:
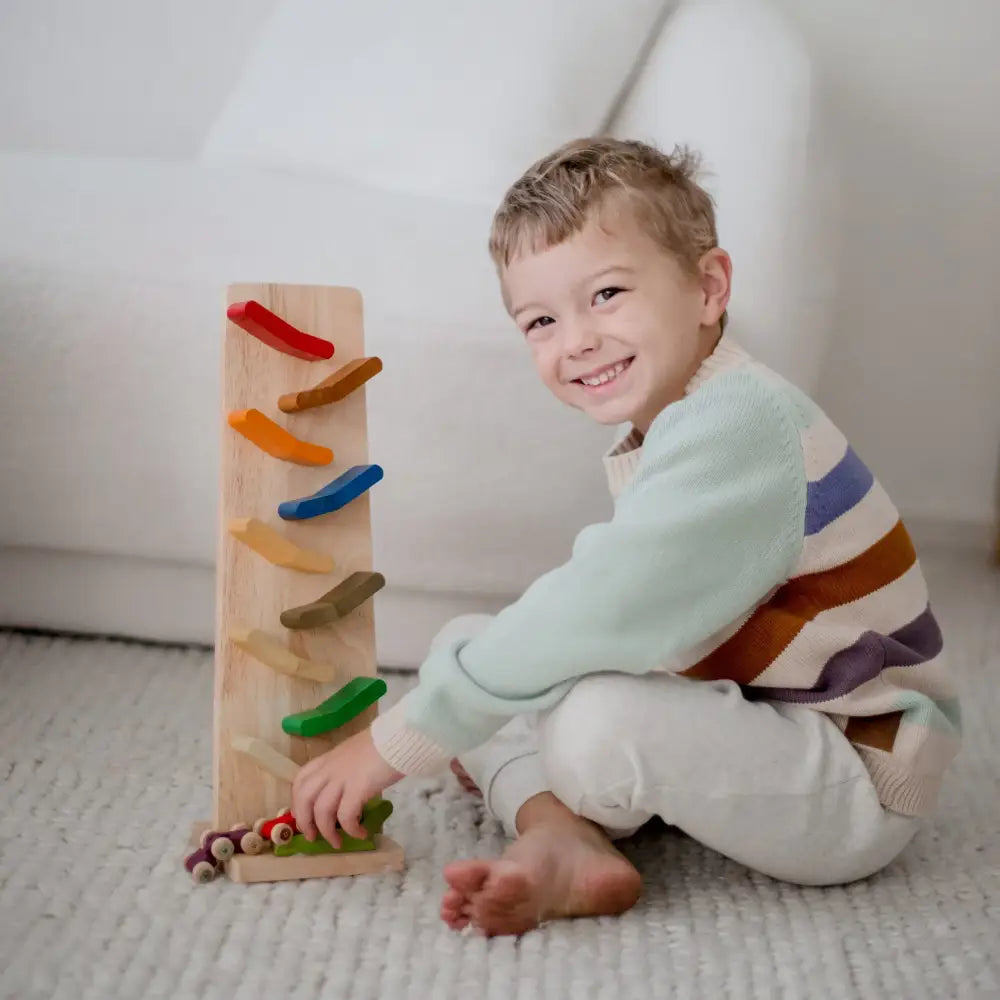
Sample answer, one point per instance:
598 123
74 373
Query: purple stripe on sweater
917 642
837 492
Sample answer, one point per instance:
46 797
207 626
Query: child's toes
466 877
456 920
455 910
452 902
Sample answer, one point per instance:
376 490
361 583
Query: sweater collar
622 461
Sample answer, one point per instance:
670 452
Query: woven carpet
105 761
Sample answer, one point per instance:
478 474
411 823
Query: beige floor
105 762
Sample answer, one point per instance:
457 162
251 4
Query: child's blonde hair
557 196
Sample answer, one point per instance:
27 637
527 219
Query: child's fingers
302 810
304 821
349 815
325 812
304 795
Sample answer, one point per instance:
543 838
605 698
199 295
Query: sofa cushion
436 98
732 80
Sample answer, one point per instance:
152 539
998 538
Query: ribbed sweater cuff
406 749
899 789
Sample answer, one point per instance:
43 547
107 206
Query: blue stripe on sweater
845 485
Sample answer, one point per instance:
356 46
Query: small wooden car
279 830
239 840
217 847
202 865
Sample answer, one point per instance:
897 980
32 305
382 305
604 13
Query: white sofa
367 148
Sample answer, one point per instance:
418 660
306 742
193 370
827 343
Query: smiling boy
746 649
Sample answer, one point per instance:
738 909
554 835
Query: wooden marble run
294 662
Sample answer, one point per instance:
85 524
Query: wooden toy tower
295 630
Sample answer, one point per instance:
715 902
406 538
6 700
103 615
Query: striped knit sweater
749 542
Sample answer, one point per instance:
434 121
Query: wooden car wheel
251 843
203 872
258 825
203 839
222 848
281 833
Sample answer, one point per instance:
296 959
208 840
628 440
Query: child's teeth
605 376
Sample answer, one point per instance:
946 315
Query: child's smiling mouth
601 379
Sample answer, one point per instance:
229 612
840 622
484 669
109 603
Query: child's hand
336 785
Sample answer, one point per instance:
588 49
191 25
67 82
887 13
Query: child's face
616 327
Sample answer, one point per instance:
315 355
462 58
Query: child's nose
579 337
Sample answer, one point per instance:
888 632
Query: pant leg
775 787
507 768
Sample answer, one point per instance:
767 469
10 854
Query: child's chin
614 412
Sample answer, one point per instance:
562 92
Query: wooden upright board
251 698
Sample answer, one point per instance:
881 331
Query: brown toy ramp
331 390
335 604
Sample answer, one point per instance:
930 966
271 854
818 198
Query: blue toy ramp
334 495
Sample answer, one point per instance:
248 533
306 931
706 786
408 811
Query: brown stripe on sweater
878 731
770 629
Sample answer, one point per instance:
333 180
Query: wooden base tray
388 856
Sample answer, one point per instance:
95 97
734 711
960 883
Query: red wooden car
279 830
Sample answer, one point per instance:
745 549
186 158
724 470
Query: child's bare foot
463 778
561 865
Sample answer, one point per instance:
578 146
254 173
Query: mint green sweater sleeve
711 522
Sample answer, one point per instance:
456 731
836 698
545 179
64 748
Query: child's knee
583 739
462 627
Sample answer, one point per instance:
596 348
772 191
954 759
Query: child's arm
712 522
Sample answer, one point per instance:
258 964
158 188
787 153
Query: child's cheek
547 364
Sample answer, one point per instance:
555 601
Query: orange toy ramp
276 441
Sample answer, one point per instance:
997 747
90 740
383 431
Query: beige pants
775 787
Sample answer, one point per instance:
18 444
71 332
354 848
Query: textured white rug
105 760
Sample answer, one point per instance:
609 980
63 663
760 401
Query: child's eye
610 293
541 321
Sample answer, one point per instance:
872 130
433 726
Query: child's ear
715 272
